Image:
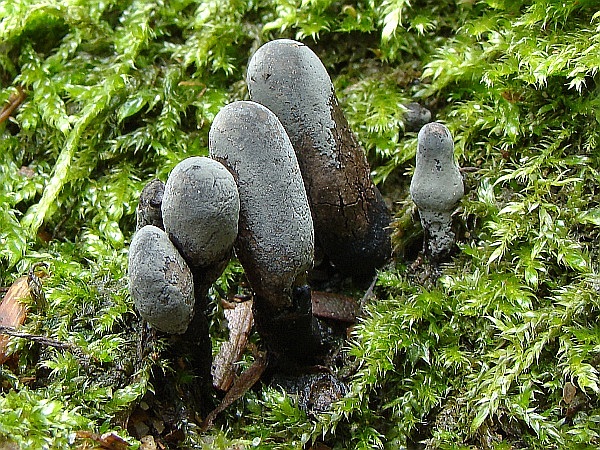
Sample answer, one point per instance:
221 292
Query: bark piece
350 217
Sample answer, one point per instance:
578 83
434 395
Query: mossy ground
501 352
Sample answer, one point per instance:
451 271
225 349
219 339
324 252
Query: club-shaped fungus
350 217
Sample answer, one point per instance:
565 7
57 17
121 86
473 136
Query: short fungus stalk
436 188
350 217
160 281
275 243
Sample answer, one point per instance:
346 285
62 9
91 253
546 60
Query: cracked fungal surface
350 217
160 281
436 188
275 243
200 210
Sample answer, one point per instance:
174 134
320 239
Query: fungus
148 211
350 217
200 210
436 187
160 281
275 241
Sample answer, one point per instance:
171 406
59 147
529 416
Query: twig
13 103
10 331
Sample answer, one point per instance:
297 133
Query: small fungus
275 243
160 281
350 217
200 210
436 188
148 211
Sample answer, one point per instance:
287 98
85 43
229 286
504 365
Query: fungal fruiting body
148 211
350 217
170 271
200 211
436 188
275 243
160 281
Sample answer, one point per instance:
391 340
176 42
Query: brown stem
13 103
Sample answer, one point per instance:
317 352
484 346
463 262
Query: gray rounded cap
289 78
160 281
437 184
200 210
275 242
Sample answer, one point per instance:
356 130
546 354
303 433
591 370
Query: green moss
118 92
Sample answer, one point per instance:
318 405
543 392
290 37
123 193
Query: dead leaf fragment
107 441
239 318
569 392
327 305
241 385
13 310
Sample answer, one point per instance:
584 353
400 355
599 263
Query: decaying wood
239 318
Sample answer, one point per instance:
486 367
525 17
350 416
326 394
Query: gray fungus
148 211
200 210
275 241
436 188
350 217
160 281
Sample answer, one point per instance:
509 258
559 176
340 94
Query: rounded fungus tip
160 281
436 188
437 184
275 243
350 217
148 211
200 210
